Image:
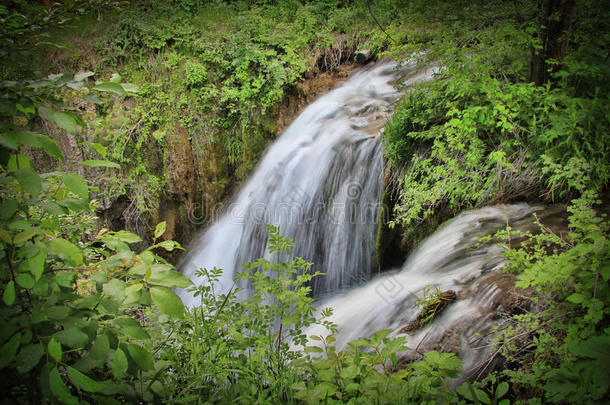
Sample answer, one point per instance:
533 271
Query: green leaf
147 257
98 147
54 349
115 78
576 298
501 389
29 180
8 209
119 364
88 302
37 262
25 280
169 245
50 146
130 87
83 382
5 236
111 87
20 224
468 391
101 163
313 349
28 138
64 278
80 76
60 78
45 386
75 204
77 185
141 357
92 98
59 389
65 121
53 208
136 332
605 272
115 289
170 278
25 110
23 236
9 350
160 229
28 357
9 141
58 312
128 237
67 251
18 161
167 301
29 250
113 388
41 287
47 114
130 327
9 293
100 348
74 338
125 321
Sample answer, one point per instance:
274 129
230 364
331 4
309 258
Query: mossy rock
433 307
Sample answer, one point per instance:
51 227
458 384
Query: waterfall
450 259
320 182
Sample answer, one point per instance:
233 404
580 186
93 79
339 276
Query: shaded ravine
320 182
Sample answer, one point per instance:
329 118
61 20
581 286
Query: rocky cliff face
199 180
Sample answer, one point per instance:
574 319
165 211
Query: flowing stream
453 258
320 182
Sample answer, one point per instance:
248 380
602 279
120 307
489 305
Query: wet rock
363 56
304 92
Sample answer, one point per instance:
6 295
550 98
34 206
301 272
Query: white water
449 260
320 182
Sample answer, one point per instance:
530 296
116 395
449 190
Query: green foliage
69 330
218 70
246 343
367 372
231 350
480 132
432 303
195 74
566 341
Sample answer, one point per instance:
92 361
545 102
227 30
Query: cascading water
320 182
450 259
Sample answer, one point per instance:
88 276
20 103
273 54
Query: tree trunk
555 29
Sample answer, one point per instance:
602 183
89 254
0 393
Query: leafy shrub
481 132
245 343
195 74
368 372
231 350
72 313
567 341
414 125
